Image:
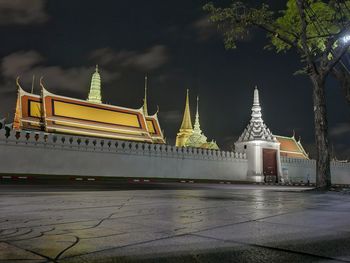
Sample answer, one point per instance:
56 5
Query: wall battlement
78 143
33 152
305 162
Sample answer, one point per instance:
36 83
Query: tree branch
340 52
303 37
275 33
334 38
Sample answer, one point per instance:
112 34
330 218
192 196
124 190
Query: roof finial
32 91
41 82
17 83
256 96
96 68
145 108
293 134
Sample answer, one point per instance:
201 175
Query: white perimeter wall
299 170
39 155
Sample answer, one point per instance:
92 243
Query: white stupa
260 145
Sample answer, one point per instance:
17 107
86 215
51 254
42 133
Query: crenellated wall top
79 143
312 162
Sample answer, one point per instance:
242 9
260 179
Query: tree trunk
323 172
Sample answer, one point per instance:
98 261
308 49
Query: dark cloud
22 12
173 116
149 59
204 28
57 79
341 129
19 62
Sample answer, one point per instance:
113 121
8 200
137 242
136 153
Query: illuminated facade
58 114
189 136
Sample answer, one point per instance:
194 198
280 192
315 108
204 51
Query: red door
270 165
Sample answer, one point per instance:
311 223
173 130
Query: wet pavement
173 223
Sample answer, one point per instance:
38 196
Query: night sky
174 44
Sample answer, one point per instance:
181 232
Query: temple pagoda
190 136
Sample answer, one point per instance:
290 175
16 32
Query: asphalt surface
171 222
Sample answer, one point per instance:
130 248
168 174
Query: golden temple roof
289 147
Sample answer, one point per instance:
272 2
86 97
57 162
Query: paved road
172 223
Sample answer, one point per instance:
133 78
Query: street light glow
346 38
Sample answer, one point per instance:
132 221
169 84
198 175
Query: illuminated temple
192 136
53 113
59 114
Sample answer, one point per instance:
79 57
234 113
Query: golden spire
186 121
186 129
145 110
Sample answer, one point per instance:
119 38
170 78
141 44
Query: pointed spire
256 129
186 121
256 97
17 117
256 109
145 108
95 88
197 127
